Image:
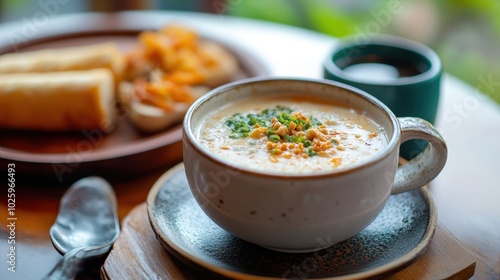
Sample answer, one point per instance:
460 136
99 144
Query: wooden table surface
467 192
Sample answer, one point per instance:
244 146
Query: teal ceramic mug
403 74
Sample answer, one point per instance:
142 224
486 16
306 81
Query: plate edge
381 271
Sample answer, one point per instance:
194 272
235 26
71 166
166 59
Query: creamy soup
290 135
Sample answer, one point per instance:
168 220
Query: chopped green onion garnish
307 143
274 138
311 152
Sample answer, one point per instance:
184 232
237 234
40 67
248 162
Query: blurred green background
464 33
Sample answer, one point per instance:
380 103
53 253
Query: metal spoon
87 225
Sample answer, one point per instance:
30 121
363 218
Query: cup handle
422 169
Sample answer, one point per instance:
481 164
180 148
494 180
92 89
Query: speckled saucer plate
398 236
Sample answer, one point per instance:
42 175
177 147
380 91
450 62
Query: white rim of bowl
393 140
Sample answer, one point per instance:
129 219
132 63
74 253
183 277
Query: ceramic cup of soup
403 74
297 165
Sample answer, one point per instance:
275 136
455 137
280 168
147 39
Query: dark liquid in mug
381 70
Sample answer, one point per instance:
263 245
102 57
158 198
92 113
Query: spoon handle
67 267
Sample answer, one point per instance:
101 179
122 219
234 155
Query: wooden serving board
138 255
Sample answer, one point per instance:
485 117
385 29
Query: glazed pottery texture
307 212
414 90
399 234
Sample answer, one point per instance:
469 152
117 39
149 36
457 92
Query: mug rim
385 41
392 140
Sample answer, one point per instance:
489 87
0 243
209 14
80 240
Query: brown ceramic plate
124 151
398 236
